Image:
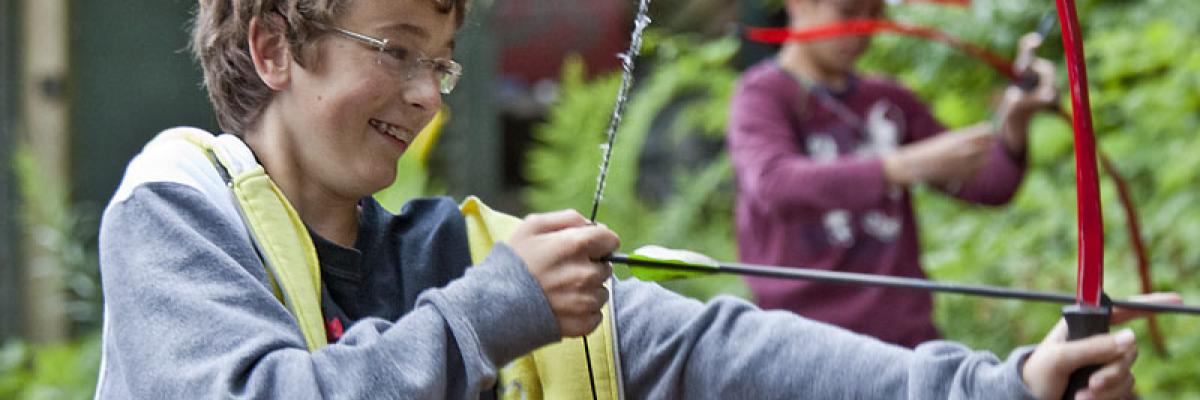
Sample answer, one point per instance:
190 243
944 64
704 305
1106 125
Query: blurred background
84 84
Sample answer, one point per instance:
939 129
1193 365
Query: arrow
653 269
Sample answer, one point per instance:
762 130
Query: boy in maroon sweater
824 158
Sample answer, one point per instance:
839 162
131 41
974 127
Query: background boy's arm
970 164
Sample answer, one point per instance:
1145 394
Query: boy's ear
270 52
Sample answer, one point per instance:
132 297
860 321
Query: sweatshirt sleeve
771 170
189 315
677 348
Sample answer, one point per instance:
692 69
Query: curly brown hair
220 33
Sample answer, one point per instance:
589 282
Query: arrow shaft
819 275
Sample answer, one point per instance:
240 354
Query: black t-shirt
394 259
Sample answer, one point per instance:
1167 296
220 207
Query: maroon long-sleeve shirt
811 192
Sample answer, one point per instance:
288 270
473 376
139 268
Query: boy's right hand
560 249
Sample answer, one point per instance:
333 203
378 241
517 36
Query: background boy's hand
1047 369
1019 104
944 159
559 249
1024 102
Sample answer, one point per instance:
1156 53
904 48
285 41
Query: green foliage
1145 80
64 371
687 76
62 236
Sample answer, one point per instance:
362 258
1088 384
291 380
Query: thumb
1099 349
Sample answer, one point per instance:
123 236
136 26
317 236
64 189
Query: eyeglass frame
447 71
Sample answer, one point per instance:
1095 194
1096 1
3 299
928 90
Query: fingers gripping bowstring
635 46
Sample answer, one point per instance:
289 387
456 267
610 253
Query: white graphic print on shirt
883 134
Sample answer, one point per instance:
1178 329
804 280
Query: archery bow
1088 316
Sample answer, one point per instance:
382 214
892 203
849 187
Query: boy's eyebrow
411 29
417 31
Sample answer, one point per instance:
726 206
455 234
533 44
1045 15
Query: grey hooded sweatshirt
189 314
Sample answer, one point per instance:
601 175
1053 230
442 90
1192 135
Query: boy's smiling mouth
402 136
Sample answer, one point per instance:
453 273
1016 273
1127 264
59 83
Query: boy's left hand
1047 369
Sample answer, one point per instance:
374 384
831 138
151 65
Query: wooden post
45 131
10 276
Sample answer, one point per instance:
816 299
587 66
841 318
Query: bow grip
1083 322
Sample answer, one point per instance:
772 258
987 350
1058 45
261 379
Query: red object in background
869 27
536 35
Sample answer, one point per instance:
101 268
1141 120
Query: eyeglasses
403 60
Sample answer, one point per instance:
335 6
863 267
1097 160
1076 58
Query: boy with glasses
255 264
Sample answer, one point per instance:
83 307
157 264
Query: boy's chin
376 181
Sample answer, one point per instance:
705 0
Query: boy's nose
423 92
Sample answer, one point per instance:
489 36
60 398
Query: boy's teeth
389 129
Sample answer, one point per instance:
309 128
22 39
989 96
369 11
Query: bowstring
635 47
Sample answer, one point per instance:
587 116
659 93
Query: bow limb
1088 317
1091 230
641 21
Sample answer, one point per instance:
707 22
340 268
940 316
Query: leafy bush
63 236
65 246
49 372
